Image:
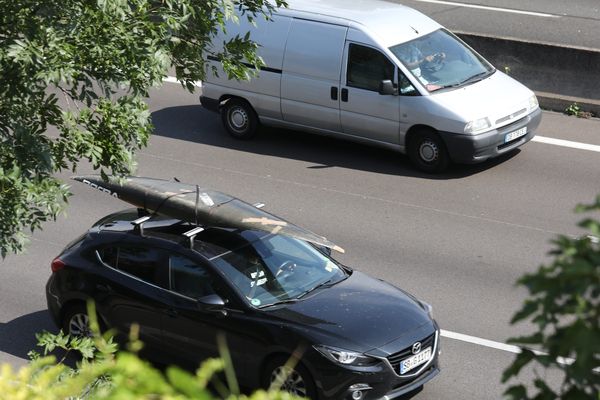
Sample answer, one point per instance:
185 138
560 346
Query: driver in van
412 56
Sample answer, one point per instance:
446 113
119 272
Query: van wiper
475 78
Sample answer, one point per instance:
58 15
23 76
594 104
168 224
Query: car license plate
415 361
516 134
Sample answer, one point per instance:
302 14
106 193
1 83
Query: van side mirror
386 87
212 303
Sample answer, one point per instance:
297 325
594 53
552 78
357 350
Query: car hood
360 313
495 97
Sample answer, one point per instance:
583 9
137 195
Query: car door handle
172 313
344 94
334 93
103 288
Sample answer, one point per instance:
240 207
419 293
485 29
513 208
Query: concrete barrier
559 75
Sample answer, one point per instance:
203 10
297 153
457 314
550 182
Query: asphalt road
457 240
573 22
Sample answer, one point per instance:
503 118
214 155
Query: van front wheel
427 152
239 119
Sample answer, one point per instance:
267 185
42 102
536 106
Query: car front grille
396 358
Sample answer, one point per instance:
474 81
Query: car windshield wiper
327 283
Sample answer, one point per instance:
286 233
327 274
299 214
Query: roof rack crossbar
138 224
191 234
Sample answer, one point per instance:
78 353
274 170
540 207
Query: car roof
211 243
391 23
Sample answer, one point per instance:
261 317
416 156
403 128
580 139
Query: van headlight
478 125
533 103
345 357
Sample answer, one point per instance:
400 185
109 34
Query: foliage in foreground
564 305
105 373
74 75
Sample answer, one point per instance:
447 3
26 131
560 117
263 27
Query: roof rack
191 234
138 224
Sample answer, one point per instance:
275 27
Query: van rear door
311 74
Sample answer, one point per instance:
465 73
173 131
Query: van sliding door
311 74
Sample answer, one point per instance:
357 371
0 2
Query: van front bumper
477 148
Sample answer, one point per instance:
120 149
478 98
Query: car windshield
269 269
440 60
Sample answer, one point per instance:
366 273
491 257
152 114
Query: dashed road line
490 8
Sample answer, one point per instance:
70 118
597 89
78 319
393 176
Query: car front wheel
295 380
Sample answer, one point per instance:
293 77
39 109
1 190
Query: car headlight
345 357
533 102
478 125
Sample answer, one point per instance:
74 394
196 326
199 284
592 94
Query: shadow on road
17 337
195 124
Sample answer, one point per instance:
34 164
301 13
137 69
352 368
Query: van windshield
440 60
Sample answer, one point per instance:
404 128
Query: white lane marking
567 143
500 9
172 79
496 345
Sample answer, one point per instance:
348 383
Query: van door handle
344 94
334 93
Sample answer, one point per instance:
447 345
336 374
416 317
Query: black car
271 295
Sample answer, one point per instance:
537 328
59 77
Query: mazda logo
416 347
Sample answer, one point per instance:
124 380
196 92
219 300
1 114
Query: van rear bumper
470 149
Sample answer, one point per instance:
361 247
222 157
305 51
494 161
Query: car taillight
57 265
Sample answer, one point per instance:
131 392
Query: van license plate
415 361
516 134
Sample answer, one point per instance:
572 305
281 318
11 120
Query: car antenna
176 180
413 28
196 205
138 224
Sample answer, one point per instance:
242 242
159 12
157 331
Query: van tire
239 118
428 152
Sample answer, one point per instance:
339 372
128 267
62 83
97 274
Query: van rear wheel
428 152
239 119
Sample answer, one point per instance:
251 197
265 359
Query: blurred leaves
74 76
105 373
564 307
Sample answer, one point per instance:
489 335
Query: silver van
375 72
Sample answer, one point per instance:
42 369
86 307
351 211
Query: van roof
392 23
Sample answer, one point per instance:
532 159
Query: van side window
367 67
406 88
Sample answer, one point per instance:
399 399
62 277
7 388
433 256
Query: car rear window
138 261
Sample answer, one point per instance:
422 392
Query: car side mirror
386 87
212 303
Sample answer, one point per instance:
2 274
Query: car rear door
129 289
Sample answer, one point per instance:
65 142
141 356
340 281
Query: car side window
138 261
367 67
188 278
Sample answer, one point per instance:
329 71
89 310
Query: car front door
191 328
365 112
